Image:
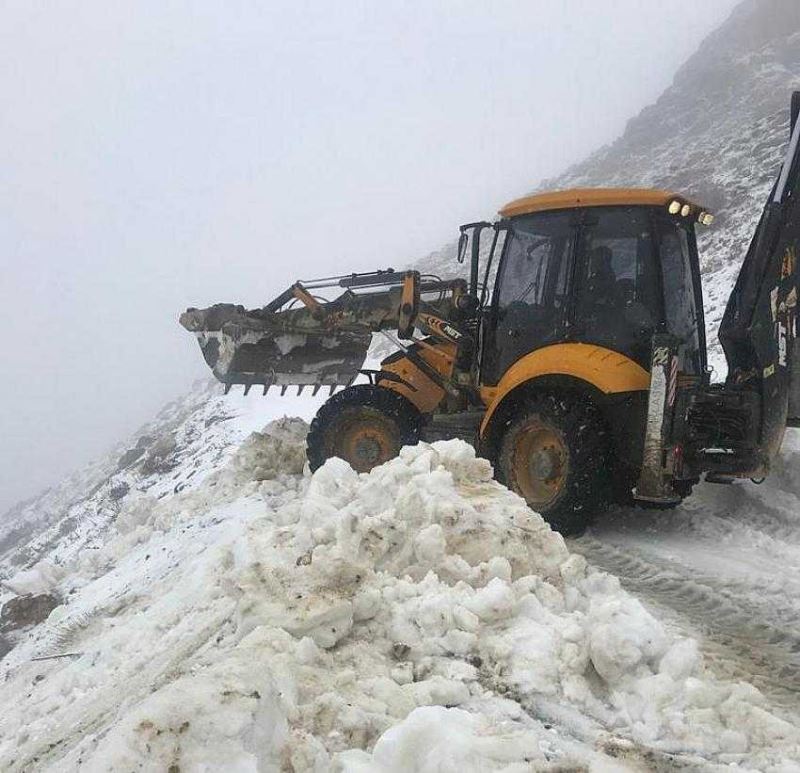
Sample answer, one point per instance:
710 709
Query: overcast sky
155 155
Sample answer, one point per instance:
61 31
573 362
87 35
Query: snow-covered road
724 567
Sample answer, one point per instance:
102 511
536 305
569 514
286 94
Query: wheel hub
540 464
544 464
367 442
367 449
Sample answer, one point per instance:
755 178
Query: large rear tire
555 454
366 425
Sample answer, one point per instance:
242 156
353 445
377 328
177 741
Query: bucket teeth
284 387
247 388
300 388
315 389
331 389
266 389
227 388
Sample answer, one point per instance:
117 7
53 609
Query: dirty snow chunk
493 602
440 740
327 627
279 449
226 718
681 660
624 635
427 510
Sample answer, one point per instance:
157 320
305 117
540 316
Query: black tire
366 425
555 454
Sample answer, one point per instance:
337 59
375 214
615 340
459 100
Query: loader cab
604 267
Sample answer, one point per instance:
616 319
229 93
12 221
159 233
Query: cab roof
592 197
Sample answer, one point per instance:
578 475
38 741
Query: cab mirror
463 240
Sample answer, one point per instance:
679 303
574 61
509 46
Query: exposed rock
118 491
158 456
23 611
129 457
144 441
67 526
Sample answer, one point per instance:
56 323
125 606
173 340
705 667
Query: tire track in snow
774 513
751 633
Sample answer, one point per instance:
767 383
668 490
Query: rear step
715 477
444 426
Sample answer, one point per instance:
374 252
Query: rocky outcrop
24 611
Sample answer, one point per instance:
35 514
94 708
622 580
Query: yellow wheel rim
540 464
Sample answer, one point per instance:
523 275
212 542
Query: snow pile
418 617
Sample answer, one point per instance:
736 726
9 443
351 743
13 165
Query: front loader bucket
303 339
257 347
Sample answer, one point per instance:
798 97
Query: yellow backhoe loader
574 357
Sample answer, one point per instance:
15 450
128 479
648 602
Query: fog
156 155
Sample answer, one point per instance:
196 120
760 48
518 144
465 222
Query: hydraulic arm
759 328
302 339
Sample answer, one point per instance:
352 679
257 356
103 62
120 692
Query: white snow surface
224 610
419 617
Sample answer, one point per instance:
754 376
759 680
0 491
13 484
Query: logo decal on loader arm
440 327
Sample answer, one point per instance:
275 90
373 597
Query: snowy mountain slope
204 579
185 442
717 134
419 617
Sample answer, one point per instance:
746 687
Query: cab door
618 288
530 301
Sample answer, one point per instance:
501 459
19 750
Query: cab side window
534 271
530 301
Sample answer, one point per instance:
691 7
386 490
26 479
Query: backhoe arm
759 327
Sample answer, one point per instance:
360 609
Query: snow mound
43 577
419 617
